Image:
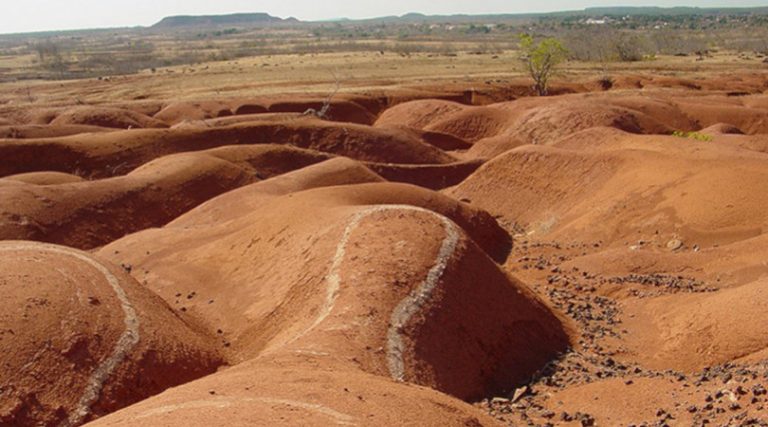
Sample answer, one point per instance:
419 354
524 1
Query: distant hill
257 19
592 11
222 20
674 11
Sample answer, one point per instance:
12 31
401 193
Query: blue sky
37 15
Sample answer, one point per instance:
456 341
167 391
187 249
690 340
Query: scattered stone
520 392
674 245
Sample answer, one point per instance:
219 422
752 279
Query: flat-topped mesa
238 19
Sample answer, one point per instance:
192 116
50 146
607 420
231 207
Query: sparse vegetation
541 60
697 136
325 109
613 36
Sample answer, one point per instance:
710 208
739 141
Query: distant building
594 21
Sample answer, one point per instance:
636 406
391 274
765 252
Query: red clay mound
245 118
144 107
472 124
418 114
712 110
338 110
240 202
98 154
38 116
545 120
45 131
637 399
550 122
691 332
340 298
624 188
81 338
444 141
352 140
434 177
726 266
106 117
440 140
480 225
296 395
722 129
407 280
444 117
443 312
250 109
488 148
178 112
92 213
660 106
341 110
266 160
45 178
756 143
531 185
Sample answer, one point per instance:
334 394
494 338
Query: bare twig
326 108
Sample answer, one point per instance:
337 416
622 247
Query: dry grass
314 73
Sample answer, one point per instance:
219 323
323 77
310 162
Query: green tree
541 59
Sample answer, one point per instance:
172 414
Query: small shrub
697 136
541 60
606 82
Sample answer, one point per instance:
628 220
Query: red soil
106 117
97 338
44 131
314 257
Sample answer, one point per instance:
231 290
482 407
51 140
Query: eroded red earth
413 258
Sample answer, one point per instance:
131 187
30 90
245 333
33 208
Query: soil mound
98 154
722 129
709 111
440 140
547 124
625 188
45 178
81 338
146 107
418 114
45 131
445 117
399 274
488 148
250 109
92 213
106 117
434 177
177 112
240 202
242 119
472 124
38 116
267 235
293 394
337 110
689 333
